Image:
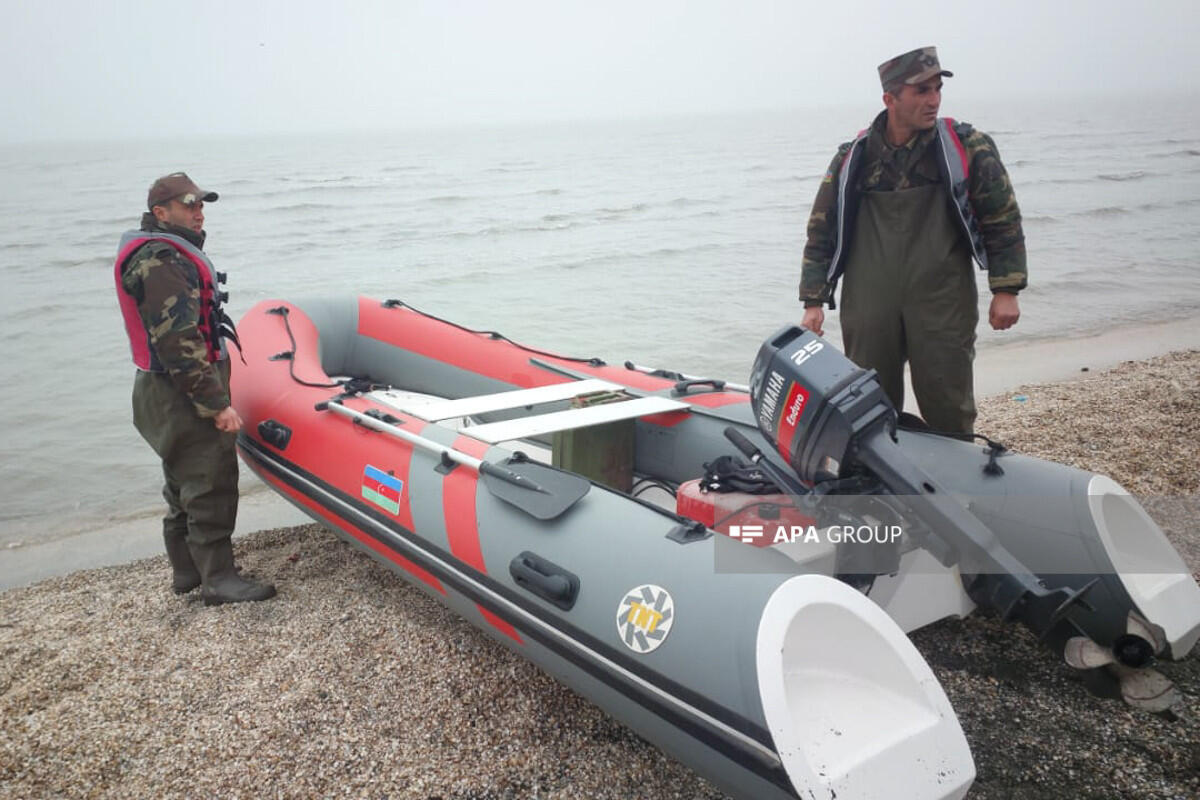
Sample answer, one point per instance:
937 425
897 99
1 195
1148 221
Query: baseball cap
177 186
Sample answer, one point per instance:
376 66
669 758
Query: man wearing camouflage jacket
900 214
170 298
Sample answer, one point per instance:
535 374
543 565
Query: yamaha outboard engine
831 421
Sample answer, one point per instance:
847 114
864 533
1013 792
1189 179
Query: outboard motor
832 423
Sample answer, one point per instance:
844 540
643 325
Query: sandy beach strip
354 684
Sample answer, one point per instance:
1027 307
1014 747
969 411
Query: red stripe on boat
360 535
498 359
462 525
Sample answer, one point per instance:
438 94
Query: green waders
200 485
199 462
909 295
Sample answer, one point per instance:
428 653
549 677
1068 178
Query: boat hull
678 632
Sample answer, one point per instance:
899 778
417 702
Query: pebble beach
352 683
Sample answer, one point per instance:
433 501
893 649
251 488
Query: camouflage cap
179 186
911 68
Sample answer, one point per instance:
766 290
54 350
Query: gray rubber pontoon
754 665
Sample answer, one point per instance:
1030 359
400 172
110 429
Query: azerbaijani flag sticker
382 489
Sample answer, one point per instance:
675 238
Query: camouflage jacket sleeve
991 194
167 291
822 235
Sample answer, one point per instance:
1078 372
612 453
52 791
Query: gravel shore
353 684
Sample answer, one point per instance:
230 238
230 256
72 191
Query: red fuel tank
753 518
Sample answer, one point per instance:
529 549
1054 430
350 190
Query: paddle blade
540 491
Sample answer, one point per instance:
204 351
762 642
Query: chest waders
199 462
909 295
200 485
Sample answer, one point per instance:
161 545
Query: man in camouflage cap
170 297
900 214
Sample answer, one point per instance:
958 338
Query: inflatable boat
573 510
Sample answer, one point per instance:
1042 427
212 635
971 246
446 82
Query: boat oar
537 489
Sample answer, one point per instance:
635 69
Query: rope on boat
594 362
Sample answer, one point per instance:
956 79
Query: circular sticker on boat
644 617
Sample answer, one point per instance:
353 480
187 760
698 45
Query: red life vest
211 315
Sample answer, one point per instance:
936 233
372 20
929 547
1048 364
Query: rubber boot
184 575
221 582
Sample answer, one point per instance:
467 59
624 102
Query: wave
1191 151
507 229
482 277
689 202
1103 211
73 263
636 208
790 207
595 261
1191 201
1056 181
22 247
313 190
304 207
516 166
449 198
1135 175
659 253
40 312
681 251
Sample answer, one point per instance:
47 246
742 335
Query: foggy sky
147 68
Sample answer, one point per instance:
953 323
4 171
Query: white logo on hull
644 617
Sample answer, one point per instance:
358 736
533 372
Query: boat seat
435 410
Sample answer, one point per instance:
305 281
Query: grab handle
683 387
545 579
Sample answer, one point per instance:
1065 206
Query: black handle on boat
750 451
683 387
545 579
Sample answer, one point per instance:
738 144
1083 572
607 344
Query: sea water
672 242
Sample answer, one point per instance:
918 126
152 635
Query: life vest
955 171
212 323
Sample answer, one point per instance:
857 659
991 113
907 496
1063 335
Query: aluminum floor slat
572 418
435 409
